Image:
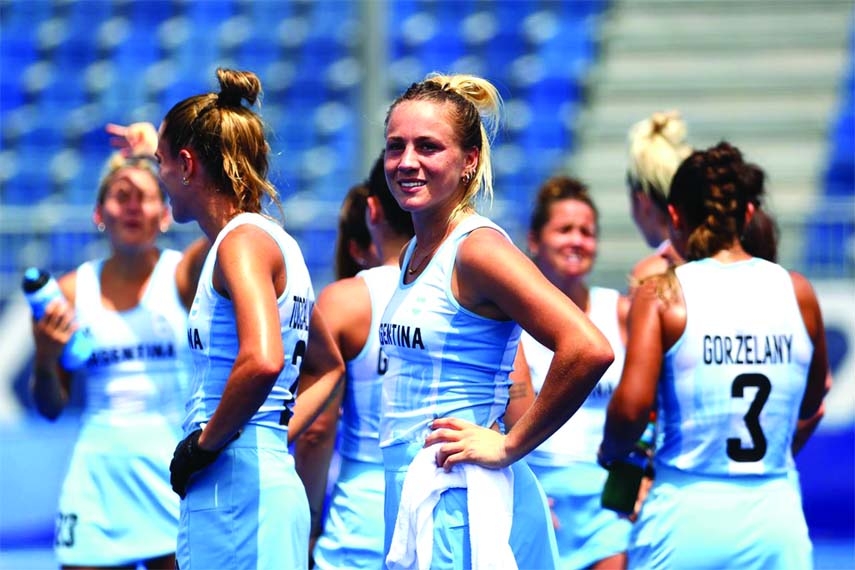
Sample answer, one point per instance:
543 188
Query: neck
389 249
133 265
218 213
731 254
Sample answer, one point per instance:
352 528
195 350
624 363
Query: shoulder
806 298
662 292
653 264
343 293
479 247
249 237
68 286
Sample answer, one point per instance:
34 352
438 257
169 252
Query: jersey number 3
752 418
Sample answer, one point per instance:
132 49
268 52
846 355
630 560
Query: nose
408 159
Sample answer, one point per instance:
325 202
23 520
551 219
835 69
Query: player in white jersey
350 535
735 347
451 331
116 507
251 327
562 240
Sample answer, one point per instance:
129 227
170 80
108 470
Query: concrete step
711 116
662 26
784 68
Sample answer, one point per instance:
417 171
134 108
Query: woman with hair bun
734 345
451 331
657 146
251 330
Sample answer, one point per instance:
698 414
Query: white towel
490 503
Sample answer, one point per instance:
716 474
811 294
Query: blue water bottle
40 288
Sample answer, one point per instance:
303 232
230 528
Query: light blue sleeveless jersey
353 529
733 383
444 361
360 422
116 505
248 509
212 333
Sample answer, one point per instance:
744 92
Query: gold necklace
416 268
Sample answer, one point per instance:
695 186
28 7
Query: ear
373 211
188 162
97 216
470 162
750 209
533 244
674 216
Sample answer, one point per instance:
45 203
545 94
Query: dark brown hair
351 228
709 190
228 137
554 190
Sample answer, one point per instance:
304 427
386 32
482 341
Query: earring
185 182
101 227
467 177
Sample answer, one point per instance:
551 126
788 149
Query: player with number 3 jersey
735 347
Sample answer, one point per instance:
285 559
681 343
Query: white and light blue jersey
444 360
140 366
732 385
213 338
116 506
360 422
579 438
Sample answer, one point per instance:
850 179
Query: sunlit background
774 77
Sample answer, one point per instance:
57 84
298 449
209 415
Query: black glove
188 459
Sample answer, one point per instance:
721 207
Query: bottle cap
34 279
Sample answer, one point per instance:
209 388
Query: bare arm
819 376
630 405
253 282
314 447
50 384
313 453
521 394
320 374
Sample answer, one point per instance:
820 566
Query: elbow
600 357
317 435
267 367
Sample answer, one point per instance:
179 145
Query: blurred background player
657 146
562 240
116 507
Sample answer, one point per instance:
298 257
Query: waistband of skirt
399 456
668 474
261 437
